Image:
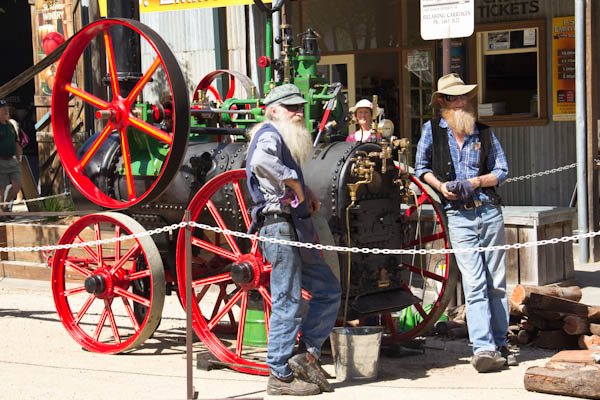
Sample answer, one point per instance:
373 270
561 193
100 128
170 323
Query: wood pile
553 318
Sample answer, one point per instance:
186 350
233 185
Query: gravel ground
39 360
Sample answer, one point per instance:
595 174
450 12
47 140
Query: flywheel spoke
112 67
127 165
143 81
87 97
241 324
225 310
242 203
84 308
94 148
151 130
215 213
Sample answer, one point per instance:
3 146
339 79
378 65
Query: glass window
510 74
349 25
411 24
417 73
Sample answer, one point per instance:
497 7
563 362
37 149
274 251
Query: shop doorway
17 50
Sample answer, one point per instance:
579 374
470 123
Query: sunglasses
450 98
293 107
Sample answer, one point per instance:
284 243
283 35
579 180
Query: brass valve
362 168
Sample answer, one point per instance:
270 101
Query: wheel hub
242 273
95 284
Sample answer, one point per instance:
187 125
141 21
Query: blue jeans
483 274
288 313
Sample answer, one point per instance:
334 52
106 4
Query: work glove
462 189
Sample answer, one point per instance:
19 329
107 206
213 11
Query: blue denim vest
301 217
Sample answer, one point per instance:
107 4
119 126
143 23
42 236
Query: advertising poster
563 69
53 24
170 5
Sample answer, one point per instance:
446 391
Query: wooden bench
538 265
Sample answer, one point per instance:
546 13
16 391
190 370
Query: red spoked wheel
168 140
109 296
229 275
431 278
205 85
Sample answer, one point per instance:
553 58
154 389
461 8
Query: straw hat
450 84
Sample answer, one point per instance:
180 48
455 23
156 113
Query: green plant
55 204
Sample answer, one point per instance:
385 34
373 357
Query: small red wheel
431 278
168 140
205 85
110 296
228 275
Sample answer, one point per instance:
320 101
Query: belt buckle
473 204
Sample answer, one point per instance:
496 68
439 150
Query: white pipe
582 214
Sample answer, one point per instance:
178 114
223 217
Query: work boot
511 360
292 386
306 367
487 361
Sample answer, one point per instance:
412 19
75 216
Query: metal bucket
356 352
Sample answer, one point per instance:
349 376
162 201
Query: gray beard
461 121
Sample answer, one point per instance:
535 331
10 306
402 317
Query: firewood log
529 327
457 333
523 337
589 342
575 325
575 357
555 339
515 310
444 327
542 302
594 313
521 293
569 382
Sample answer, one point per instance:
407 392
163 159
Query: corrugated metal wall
190 35
539 148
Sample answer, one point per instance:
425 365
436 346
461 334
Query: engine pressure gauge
385 128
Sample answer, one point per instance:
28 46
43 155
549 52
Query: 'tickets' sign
147 6
563 69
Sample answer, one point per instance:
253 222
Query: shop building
521 55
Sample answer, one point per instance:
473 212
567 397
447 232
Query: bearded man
284 204
463 161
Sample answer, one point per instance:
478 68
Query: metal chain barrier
172 227
25 201
536 174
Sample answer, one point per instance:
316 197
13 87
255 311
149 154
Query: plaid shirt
465 160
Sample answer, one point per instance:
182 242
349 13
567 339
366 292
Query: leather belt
470 205
276 218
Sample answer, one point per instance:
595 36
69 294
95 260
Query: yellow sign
563 69
147 6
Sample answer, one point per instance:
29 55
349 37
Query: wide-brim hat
364 103
287 94
451 84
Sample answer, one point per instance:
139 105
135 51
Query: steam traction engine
158 155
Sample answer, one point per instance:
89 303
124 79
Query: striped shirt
465 160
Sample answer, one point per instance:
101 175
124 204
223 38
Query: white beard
296 137
460 120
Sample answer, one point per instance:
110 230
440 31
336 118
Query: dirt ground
39 360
